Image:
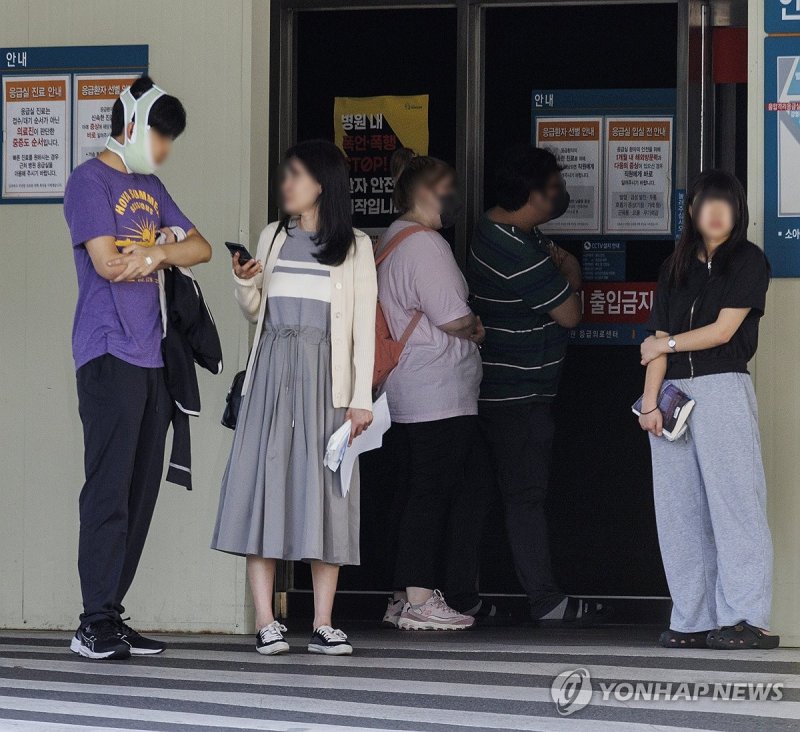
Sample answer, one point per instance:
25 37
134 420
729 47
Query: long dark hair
328 166
709 185
410 170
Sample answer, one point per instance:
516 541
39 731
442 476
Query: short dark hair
522 170
167 116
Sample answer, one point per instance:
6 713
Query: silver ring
148 261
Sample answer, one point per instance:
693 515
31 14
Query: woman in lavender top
433 399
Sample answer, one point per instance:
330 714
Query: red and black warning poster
368 130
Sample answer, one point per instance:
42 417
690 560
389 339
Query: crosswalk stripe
477 667
402 683
27 725
407 714
391 688
150 715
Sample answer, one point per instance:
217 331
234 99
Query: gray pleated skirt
277 498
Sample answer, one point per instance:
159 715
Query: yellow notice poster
368 130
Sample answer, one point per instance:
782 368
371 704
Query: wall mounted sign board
55 113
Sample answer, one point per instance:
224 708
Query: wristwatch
673 346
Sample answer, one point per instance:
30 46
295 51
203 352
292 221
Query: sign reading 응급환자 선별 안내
576 143
368 130
638 175
93 98
35 136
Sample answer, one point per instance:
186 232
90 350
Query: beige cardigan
354 293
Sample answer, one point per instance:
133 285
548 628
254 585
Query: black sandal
585 613
674 639
740 637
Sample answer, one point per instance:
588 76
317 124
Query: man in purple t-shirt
124 227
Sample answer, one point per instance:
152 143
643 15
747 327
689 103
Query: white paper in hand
336 447
339 455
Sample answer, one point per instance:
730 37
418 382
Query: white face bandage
137 150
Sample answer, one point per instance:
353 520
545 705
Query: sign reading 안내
638 175
35 136
368 130
94 96
575 141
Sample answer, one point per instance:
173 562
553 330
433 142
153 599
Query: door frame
693 142
692 97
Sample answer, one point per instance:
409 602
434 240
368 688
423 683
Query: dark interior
600 507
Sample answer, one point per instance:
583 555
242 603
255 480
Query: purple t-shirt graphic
123 318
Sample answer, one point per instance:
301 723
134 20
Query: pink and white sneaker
435 614
394 609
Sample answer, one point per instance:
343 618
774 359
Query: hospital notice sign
35 136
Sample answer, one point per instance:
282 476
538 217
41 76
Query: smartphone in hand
244 255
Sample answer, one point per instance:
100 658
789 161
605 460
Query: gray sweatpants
710 498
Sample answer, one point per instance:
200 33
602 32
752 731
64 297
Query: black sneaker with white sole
330 641
270 640
100 641
139 645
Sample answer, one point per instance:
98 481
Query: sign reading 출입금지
576 143
35 136
638 175
55 113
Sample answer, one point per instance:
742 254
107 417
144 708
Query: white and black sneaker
330 641
139 645
100 641
270 640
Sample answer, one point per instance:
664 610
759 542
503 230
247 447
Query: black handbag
233 401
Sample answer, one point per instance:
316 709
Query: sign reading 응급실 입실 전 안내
55 113
368 130
782 137
615 147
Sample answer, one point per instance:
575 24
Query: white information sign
576 142
35 136
638 175
94 96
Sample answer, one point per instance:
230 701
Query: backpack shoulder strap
410 328
396 240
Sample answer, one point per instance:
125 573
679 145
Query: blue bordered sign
782 154
55 110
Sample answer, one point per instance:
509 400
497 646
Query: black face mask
560 203
451 207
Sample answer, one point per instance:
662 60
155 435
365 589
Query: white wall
213 55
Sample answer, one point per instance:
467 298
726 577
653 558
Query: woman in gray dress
312 291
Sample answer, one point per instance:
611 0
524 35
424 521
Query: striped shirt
514 284
300 288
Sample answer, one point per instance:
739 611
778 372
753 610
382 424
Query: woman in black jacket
709 486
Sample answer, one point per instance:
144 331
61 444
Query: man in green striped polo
526 291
